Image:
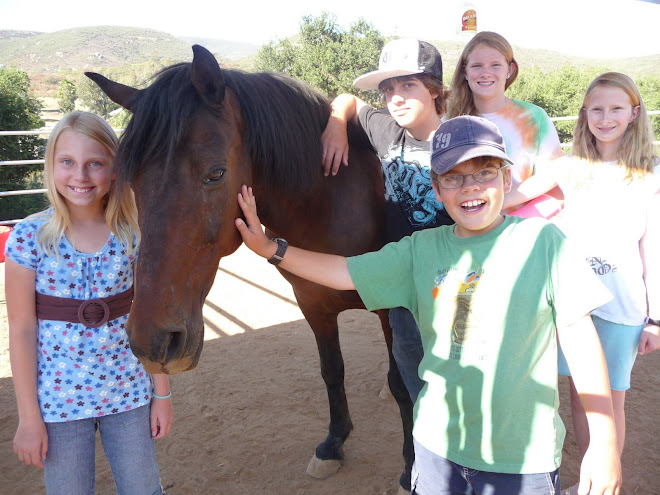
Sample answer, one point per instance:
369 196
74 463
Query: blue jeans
128 446
435 475
407 349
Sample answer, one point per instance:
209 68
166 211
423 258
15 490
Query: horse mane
284 119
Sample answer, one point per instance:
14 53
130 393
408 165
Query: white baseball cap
403 57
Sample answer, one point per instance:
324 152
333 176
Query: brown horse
196 135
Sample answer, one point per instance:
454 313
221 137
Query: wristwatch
281 249
651 321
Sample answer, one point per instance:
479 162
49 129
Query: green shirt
487 308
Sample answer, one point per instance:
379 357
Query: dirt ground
248 419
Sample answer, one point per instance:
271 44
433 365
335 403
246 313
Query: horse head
183 154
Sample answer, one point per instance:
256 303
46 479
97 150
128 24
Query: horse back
344 214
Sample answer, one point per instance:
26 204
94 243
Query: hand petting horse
196 135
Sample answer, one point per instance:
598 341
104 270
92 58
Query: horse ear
119 93
207 77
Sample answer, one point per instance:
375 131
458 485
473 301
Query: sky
592 28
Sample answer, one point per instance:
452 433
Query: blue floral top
82 372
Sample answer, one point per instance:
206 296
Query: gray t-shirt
409 197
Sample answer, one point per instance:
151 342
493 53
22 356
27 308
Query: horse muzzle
165 350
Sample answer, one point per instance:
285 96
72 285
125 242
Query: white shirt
606 213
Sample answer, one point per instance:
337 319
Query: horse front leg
402 397
328 456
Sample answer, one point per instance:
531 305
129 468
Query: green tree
561 93
19 111
66 96
327 56
649 87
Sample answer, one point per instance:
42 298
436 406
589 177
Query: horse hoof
318 468
402 491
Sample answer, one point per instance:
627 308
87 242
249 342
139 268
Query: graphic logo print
461 324
442 140
410 186
600 266
463 303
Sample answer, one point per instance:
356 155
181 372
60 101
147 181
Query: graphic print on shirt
460 325
601 266
408 183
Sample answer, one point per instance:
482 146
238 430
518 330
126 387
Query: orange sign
469 21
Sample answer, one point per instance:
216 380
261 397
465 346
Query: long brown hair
462 101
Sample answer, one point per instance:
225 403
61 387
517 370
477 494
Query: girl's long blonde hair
120 209
636 151
462 101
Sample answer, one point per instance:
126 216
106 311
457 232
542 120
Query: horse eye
215 176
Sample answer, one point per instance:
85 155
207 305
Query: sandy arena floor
248 419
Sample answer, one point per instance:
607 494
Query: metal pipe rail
47 131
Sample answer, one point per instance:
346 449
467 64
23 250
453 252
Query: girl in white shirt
612 206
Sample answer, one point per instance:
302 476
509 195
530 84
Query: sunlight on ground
248 294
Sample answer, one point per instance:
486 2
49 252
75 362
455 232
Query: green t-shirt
486 307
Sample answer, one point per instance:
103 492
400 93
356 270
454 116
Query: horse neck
289 215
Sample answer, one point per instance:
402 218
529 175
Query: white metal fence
47 131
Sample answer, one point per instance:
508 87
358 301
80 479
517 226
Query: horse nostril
175 345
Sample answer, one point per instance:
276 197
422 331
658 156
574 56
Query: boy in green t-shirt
491 295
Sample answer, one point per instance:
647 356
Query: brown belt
92 313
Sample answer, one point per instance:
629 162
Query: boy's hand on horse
329 270
252 233
334 142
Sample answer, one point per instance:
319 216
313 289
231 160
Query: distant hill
548 60
109 46
6 34
45 55
231 51
104 46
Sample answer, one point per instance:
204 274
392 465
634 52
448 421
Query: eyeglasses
486 174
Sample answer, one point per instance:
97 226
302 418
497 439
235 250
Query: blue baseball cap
463 138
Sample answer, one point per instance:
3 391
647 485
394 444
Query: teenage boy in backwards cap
491 294
409 77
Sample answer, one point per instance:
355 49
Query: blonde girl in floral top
69 282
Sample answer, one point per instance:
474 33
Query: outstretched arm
600 472
334 140
325 269
529 189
